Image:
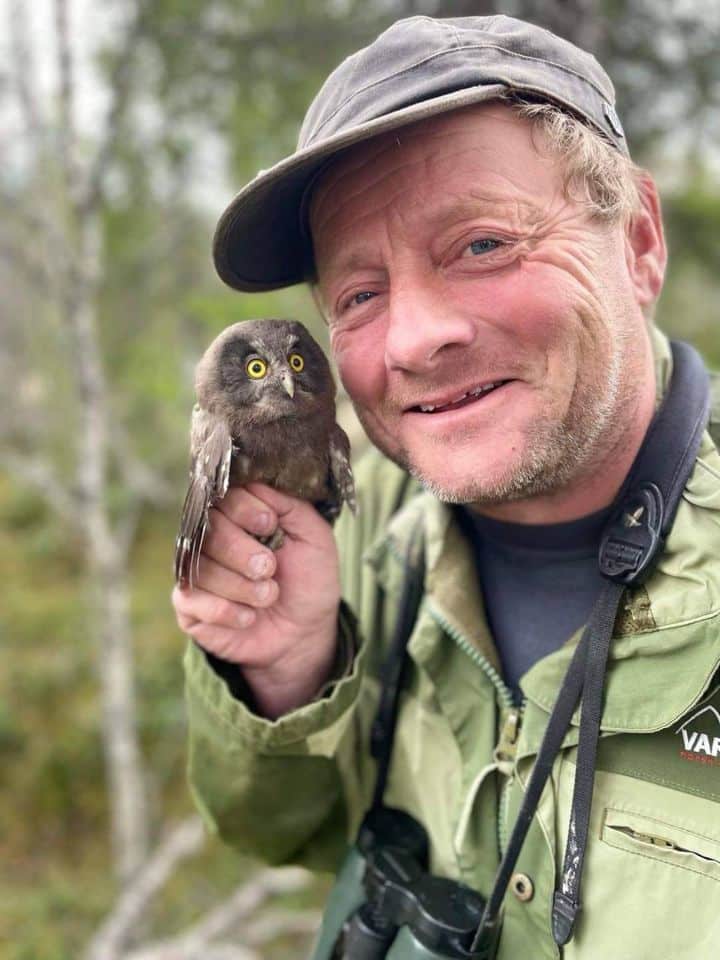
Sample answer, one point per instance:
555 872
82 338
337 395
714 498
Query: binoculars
385 903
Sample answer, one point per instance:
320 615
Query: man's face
482 323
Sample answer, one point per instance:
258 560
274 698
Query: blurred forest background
125 126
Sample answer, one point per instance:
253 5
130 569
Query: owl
265 412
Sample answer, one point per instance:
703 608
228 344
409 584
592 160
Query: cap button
614 120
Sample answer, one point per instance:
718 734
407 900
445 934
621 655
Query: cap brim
260 242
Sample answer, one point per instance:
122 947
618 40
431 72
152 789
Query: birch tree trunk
106 563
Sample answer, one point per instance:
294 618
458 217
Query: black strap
558 724
631 544
382 734
648 507
647 503
566 900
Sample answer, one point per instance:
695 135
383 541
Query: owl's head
268 369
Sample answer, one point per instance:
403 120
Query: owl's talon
274 541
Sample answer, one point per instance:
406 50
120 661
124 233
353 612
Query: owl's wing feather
342 483
211 448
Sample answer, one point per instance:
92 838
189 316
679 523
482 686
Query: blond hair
594 172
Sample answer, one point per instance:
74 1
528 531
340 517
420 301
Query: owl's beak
286 378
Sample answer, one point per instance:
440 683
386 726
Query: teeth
475 392
484 389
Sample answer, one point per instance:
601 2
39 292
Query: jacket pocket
650 887
656 840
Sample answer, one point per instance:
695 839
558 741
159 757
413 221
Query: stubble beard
555 453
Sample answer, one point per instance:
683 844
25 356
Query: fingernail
245 618
262 590
265 523
259 564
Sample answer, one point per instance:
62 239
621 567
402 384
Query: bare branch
184 841
66 96
279 923
217 951
244 903
228 951
40 476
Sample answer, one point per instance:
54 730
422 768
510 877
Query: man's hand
273 614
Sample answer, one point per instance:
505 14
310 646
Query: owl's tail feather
209 479
193 526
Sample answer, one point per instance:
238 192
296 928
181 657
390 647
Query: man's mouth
470 396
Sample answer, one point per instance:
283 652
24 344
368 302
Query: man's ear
645 250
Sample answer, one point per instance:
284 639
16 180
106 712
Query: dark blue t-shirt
539 583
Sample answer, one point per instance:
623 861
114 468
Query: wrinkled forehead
408 191
361 167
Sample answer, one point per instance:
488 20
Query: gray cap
417 68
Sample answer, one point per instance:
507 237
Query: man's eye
361 297
357 299
484 245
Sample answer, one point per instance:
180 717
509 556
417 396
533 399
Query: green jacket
295 789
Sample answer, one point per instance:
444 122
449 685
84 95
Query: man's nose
422 327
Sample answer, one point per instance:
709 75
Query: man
487 258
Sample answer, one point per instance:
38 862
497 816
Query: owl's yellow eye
256 368
296 362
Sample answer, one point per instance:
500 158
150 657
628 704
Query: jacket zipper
477 658
510 727
504 756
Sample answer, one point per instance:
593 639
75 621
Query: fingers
238 577
200 606
233 548
222 641
257 592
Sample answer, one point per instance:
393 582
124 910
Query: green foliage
47 912
245 67
220 308
692 216
690 302
52 799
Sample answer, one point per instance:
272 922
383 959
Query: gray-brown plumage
265 412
